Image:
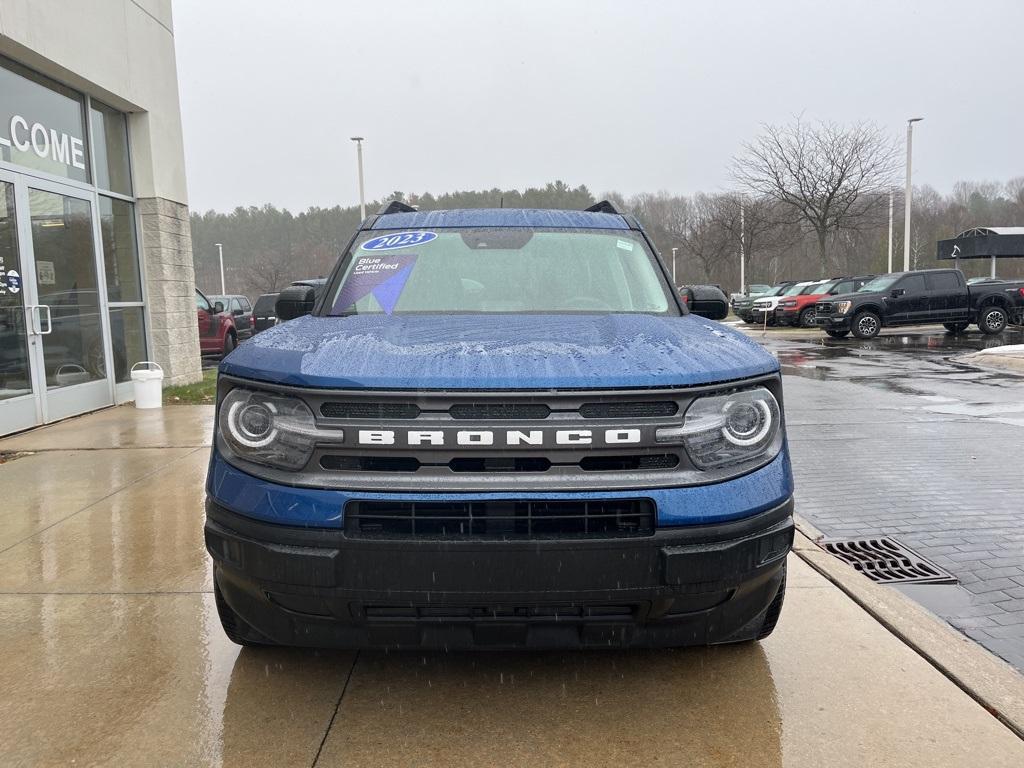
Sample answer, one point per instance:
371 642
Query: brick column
170 288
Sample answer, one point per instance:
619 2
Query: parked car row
226 320
793 302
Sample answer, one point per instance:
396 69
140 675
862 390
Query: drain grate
887 561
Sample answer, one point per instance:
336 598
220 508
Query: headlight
276 430
719 430
842 307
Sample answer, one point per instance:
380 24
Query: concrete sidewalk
113 655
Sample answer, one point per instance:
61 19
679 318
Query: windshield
778 289
879 283
795 290
813 288
510 270
826 286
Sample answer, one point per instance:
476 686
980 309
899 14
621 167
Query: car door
908 300
948 298
242 329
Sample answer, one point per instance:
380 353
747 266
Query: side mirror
897 292
707 301
218 307
237 312
294 301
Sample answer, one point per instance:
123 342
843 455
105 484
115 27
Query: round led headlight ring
252 423
746 422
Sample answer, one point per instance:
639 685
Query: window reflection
66 277
128 338
110 140
14 370
120 257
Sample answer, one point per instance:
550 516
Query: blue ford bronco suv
498 429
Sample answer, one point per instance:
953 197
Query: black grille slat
371 411
501 519
627 463
499 411
370 463
629 410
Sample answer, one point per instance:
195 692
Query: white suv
767 305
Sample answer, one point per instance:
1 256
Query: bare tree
703 236
829 177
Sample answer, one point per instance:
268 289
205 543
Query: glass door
70 314
54 343
20 407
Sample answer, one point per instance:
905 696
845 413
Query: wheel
229 344
955 327
771 617
806 319
992 320
866 325
837 334
234 626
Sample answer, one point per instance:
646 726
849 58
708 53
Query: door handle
37 319
49 321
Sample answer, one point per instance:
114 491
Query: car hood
498 352
849 296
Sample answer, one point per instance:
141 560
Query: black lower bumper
832 322
682 586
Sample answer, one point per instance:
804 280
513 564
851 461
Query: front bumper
787 316
689 585
833 322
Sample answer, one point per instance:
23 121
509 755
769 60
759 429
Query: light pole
743 253
220 258
890 231
908 194
359 157
674 284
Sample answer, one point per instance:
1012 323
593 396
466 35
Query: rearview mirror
707 301
218 307
294 301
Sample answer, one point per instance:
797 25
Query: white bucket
148 385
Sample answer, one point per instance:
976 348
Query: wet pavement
113 654
892 437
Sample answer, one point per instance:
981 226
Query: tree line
809 200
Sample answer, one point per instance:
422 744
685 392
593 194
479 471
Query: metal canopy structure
984 243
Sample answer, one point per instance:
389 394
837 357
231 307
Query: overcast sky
631 96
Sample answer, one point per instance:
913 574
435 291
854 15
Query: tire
955 327
835 334
234 626
806 318
866 325
229 344
992 320
771 617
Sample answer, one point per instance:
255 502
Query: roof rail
605 206
396 206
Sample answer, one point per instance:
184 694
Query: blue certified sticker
395 240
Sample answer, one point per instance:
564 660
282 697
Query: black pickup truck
929 296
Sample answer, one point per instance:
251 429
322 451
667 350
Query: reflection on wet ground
889 437
113 655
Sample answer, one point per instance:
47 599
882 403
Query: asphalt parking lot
889 437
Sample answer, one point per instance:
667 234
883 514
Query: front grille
627 410
374 411
497 464
501 519
823 307
500 411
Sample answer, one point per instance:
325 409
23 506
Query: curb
987 679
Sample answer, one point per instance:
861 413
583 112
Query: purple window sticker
383 276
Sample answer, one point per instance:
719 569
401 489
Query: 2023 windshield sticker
395 240
382 276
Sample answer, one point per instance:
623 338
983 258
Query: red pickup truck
217 335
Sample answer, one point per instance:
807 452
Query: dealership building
96 267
